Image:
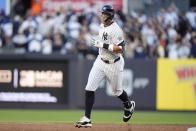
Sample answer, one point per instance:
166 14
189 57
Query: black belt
110 61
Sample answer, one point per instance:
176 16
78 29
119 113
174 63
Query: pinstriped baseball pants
111 72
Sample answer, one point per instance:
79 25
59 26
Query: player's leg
115 79
95 77
129 106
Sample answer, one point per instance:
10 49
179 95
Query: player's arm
116 48
111 47
118 41
119 48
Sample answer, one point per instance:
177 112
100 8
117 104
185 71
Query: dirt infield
96 127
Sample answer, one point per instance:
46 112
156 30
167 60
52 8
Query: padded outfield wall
58 81
139 81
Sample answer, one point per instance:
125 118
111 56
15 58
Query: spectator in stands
82 44
34 35
173 47
184 48
74 27
45 23
191 16
94 25
160 50
171 16
28 23
58 21
193 46
34 46
47 44
183 25
149 36
139 51
19 8
7 29
171 33
166 34
16 24
58 42
34 40
142 18
20 41
1 37
132 42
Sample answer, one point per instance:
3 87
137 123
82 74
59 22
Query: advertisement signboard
32 82
176 84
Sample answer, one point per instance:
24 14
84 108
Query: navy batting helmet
108 9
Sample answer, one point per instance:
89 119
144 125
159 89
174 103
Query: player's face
103 17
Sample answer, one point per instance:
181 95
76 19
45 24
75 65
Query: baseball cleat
83 122
129 112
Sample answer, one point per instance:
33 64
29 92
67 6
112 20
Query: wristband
108 47
105 46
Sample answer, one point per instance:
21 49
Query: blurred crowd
168 33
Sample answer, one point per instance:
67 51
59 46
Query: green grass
69 116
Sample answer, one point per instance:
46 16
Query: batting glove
96 43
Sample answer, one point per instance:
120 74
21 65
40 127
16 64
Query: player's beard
107 21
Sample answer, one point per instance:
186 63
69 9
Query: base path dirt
96 127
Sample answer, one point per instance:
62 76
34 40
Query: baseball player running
109 65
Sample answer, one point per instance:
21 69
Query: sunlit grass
98 116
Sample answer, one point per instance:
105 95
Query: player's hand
96 43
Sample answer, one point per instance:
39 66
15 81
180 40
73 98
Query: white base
191 129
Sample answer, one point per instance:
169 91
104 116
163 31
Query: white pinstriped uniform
112 72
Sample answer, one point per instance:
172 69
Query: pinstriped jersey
111 34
